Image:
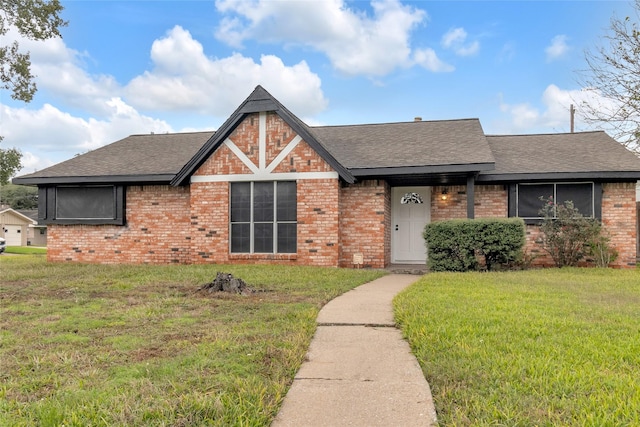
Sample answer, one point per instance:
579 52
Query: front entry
411 212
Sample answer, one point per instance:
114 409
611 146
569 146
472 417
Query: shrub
457 245
500 240
566 234
450 246
601 250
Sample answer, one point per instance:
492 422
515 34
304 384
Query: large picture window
529 203
87 204
263 217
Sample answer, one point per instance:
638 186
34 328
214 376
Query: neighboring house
20 228
267 188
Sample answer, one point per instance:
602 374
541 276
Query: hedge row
463 245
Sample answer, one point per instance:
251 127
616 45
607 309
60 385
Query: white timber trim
262 172
262 139
262 176
240 155
284 153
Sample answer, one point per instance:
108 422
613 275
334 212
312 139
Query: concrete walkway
359 371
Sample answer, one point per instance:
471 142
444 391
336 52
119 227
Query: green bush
569 237
461 244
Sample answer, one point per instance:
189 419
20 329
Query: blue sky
127 67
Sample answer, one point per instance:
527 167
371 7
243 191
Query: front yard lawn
539 347
91 345
26 250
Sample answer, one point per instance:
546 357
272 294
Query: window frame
596 198
263 222
48 199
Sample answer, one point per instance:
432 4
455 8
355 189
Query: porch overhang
423 175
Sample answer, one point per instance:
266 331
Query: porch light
445 194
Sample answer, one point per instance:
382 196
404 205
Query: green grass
533 348
26 250
95 345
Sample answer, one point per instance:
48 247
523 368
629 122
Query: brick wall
318 233
490 201
157 232
318 222
619 218
619 221
448 202
209 221
365 223
317 199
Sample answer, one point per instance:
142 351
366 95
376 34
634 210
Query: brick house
267 188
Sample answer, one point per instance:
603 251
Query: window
528 203
263 217
90 204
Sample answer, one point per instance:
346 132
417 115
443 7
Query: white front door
411 212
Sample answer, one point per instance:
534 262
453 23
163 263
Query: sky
136 67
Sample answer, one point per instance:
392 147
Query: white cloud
59 70
355 43
558 48
552 116
184 78
47 135
428 59
456 38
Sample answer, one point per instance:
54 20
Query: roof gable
20 216
259 101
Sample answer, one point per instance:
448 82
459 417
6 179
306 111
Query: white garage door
13 235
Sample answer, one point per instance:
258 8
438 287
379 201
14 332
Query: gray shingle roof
148 157
565 153
411 149
428 143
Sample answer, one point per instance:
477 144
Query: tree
19 196
9 164
35 20
614 77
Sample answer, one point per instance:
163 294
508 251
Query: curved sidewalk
359 371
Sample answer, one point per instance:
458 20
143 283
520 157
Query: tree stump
225 282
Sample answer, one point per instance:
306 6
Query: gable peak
259 93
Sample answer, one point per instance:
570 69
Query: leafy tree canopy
35 20
9 164
19 196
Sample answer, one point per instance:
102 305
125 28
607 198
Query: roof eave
103 179
555 176
421 170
